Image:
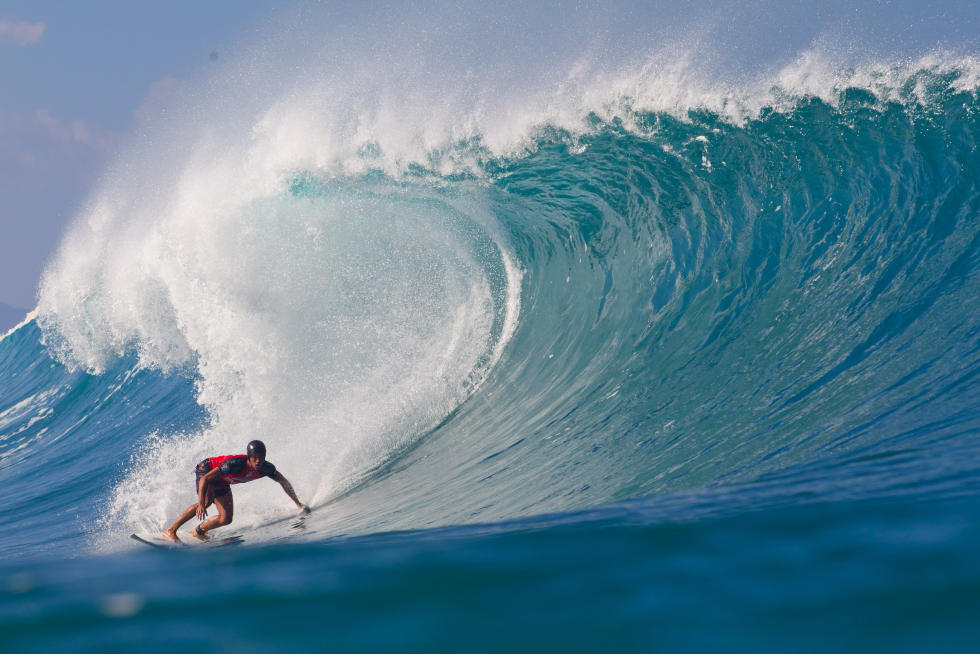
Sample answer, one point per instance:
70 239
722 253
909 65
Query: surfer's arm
209 478
286 486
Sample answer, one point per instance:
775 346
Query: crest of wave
444 87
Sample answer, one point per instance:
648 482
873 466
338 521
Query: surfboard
154 541
160 542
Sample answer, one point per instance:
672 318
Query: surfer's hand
306 510
202 511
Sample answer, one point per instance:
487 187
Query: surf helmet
256 448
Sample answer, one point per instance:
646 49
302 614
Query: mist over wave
335 324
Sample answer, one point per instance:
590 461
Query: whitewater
625 349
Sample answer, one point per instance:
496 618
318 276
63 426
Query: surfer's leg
226 511
202 469
171 531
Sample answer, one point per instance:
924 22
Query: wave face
628 327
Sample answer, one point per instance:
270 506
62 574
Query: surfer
214 478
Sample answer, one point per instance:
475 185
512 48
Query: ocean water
649 364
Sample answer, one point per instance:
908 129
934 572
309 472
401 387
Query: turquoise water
663 380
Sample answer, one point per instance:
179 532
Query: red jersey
235 469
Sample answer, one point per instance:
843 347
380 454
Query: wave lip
31 315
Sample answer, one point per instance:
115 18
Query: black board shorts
217 489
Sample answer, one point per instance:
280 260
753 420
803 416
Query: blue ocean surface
700 374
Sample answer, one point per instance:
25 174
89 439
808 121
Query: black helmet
257 448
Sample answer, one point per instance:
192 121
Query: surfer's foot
198 534
171 536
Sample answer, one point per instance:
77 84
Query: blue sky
79 78
76 78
